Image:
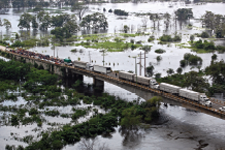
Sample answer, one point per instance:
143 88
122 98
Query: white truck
222 108
101 69
169 88
151 82
195 96
126 75
82 64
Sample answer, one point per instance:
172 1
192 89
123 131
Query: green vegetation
191 59
41 81
168 38
120 12
196 80
214 22
206 47
94 21
191 79
184 13
160 51
78 113
151 38
204 35
110 46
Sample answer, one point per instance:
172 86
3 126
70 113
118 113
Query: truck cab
222 108
204 100
154 84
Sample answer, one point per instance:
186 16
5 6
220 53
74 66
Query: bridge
99 79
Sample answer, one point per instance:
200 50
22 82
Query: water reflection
131 137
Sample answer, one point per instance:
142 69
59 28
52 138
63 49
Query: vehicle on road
195 96
222 108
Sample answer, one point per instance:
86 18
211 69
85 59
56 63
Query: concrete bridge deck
112 78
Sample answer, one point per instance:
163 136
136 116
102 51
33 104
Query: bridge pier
77 76
98 84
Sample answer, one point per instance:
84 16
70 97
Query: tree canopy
94 21
184 13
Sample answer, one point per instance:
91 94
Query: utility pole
140 63
135 67
145 63
103 55
57 52
89 57
1 35
54 52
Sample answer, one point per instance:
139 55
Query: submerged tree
184 13
80 9
94 21
25 21
7 24
167 17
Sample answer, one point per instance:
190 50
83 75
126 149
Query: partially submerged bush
160 51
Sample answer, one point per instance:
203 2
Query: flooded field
178 128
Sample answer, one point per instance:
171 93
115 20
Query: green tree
25 21
170 71
192 37
208 20
184 13
149 70
59 20
45 20
7 24
131 118
167 17
195 80
4 5
158 75
214 57
126 28
18 3
216 72
179 70
34 23
80 8
94 21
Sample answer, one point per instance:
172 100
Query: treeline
207 46
197 81
22 3
214 22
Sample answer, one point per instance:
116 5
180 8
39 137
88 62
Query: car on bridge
222 108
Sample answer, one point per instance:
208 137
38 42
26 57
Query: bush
204 35
158 58
33 111
192 59
160 51
183 63
168 38
151 38
120 12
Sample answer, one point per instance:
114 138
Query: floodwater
180 128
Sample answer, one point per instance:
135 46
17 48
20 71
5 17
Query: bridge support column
98 84
77 77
